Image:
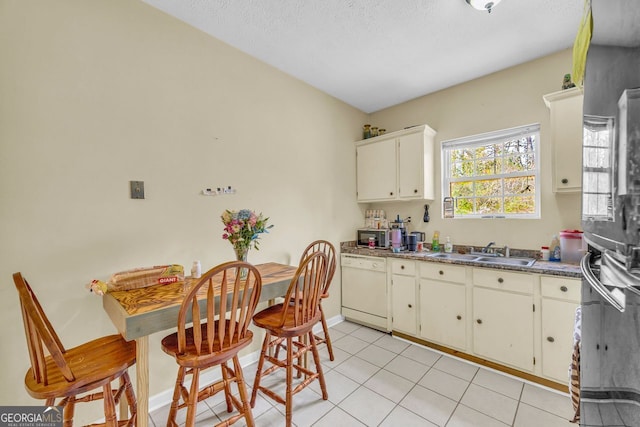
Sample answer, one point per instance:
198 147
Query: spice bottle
374 131
366 132
196 270
544 253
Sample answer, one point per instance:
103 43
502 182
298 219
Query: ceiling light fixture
483 4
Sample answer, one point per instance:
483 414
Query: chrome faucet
486 248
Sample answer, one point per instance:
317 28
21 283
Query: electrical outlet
137 189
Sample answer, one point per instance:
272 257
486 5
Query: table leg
142 380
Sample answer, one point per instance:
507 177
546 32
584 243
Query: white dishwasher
364 290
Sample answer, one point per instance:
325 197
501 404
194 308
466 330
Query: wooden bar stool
68 373
293 319
225 302
328 249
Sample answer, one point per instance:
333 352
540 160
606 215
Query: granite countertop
539 267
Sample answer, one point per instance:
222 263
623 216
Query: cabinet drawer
504 280
560 288
404 267
445 272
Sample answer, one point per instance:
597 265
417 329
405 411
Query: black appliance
610 307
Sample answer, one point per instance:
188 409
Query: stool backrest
305 289
40 334
330 251
221 293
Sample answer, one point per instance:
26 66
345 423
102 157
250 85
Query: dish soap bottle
435 242
448 246
554 249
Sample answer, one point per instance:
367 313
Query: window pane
488 205
519 205
489 187
461 169
519 185
461 189
488 167
463 206
519 163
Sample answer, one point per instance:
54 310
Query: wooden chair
225 302
328 249
68 373
294 318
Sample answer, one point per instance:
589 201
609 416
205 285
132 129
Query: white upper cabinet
566 132
396 166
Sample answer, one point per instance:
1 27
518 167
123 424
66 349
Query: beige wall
502 100
95 94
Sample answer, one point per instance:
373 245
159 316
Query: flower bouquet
243 228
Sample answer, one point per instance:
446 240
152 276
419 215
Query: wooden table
139 313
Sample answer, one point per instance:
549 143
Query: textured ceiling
374 54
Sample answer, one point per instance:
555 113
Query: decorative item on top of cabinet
566 132
396 166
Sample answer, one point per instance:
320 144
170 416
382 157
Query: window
493 175
596 168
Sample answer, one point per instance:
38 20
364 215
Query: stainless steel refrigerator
610 307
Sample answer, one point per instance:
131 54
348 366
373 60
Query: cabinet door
376 171
565 108
503 327
558 318
443 313
404 304
411 166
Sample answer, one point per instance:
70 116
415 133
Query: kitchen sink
496 260
463 257
525 262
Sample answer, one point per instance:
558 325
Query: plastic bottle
435 242
196 270
448 246
545 253
554 249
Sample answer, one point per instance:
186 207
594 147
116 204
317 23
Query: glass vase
241 255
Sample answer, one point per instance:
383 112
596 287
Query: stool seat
270 318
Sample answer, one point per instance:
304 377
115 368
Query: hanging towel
574 368
581 45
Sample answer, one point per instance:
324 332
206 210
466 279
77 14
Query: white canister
196 270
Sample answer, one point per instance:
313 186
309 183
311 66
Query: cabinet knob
391 193
500 280
563 288
415 191
564 181
459 317
402 267
479 321
441 272
550 339
409 305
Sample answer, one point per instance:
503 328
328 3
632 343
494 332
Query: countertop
539 267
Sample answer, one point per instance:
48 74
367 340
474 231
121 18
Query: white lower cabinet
443 306
503 317
403 296
503 327
520 320
560 298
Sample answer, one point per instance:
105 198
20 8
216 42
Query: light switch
137 189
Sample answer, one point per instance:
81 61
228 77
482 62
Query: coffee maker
399 224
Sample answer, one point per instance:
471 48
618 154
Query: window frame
494 137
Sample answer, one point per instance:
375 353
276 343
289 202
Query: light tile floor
379 380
